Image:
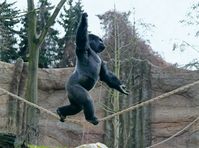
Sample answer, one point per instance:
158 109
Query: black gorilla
89 68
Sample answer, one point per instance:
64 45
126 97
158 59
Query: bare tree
124 53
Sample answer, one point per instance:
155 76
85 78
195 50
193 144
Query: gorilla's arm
82 33
111 80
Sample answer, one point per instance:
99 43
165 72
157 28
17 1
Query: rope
37 106
150 101
176 134
112 115
120 112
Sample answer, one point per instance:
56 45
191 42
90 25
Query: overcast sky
164 14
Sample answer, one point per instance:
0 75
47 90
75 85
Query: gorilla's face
96 43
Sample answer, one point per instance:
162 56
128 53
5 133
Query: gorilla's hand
84 15
123 89
84 19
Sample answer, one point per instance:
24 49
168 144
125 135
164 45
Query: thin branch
50 21
191 46
24 13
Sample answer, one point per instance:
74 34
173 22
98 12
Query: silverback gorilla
89 68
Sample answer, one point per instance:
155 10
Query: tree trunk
116 104
146 94
31 95
34 43
136 125
108 123
142 92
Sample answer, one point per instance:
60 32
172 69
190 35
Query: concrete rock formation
169 115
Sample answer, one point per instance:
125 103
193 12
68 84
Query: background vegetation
33 37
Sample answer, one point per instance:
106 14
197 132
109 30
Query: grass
36 146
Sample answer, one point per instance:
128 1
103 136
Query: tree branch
31 20
50 22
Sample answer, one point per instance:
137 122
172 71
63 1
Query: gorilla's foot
94 121
62 118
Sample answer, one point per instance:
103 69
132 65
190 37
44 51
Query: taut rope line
120 112
176 134
112 115
35 105
150 101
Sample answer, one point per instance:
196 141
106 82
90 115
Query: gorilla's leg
89 111
68 110
79 96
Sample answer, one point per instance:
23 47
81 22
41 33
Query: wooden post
12 102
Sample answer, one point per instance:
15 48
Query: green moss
35 146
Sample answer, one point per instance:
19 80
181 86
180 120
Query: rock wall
6 73
52 95
169 115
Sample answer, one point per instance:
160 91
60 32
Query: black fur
89 68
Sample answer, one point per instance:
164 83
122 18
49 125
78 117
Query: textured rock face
51 95
6 72
169 115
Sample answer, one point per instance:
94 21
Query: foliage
126 33
36 146
130 42
192 65
192 17
131 129
54 52
49 47
8 20
23 44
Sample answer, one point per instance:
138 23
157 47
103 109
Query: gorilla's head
96 43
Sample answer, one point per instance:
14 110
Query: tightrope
150 101
120 112
176 134
112 115
36 106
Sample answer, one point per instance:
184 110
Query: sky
165 15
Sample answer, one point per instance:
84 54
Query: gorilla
89 68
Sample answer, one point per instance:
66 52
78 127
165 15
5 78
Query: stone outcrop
51 95
169 115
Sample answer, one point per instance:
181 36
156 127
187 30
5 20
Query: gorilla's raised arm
111 80
82 33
